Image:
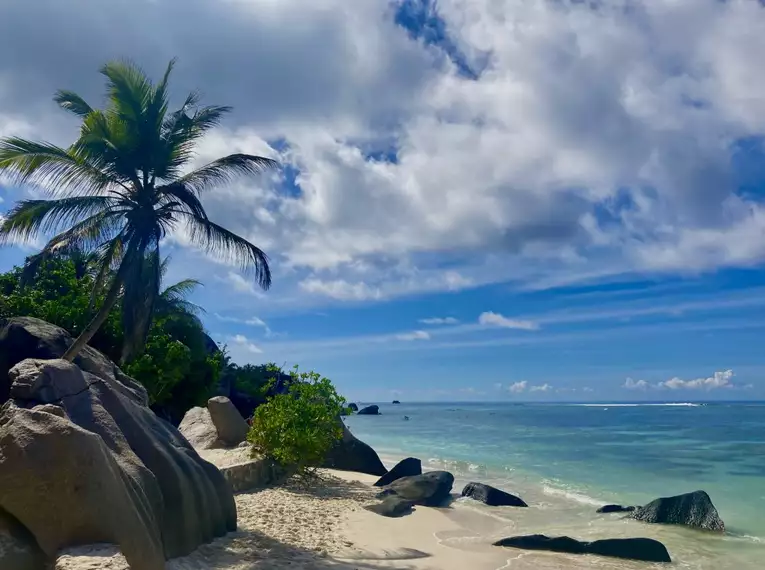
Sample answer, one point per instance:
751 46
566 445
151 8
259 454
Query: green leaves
299 428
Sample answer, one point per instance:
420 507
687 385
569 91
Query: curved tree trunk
98 320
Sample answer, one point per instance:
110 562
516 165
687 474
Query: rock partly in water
645 549
369 411
86 461
351 454
198 428
405 468
431 489
392 506
691 509
491 496
396 402
353 407
615 509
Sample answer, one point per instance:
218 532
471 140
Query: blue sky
517 201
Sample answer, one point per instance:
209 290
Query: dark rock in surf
408 467
353 407
430 489
645 549
615 509
396 402
392 506
492 496
691 509
369 411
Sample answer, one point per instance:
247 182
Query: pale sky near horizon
479 200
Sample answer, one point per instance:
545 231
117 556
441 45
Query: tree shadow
252 550
329 487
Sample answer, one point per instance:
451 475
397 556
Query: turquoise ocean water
565 460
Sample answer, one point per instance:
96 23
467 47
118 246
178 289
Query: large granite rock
351 454
645 549
691 509
86 461
491 496
229 423
198 428
615 509
405 468
393 506
369 411
27 337
431 489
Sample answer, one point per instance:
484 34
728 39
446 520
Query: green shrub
298 428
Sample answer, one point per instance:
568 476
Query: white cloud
523 386
587 389
617 129
631 384
245 343
414 335
497 320
252 321
439 321
721 379
242 285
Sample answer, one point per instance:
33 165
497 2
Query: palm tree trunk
98 320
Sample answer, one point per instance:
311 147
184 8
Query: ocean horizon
565 459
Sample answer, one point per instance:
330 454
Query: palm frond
70 101
75 244
185 198
224 170
63 171
226 246
31 217
128 88
179 291
181 135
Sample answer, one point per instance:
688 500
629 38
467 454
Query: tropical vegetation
180 366
120 189
298 428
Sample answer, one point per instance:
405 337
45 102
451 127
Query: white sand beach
322 526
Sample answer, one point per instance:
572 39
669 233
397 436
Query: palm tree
171 303
120 188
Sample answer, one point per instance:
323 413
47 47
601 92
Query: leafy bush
298 428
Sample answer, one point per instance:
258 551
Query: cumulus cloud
618 130
439 321
240 284
721 379
524 386
414 335
252 321
631 384
497 320
243 342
